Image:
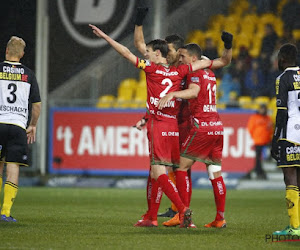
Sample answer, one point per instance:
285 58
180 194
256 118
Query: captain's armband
142 63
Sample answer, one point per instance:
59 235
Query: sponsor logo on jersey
278 102
169 133
160 72
195 79
209 78
169 104
13 109
293 153
292 150
297 126
296 78
13 70
10 77
148 63
212 124
215 133
165 115
209 108
277 85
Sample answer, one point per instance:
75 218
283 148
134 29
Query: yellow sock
10 193
299 207
171 176
1 182
292 202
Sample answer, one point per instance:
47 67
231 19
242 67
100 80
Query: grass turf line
90 218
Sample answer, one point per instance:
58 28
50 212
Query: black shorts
13 144
289 154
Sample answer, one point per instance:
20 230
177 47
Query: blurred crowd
259 27
254 75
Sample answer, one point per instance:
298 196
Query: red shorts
163 140
184 129
203 146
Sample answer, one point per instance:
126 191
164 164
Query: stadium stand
248 28
106 101
126 92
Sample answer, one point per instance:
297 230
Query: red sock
171 191
149 186
156 194
191 186
183 186
220 196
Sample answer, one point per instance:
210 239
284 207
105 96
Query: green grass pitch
91 218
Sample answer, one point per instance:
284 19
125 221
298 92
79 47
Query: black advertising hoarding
18 18
72 45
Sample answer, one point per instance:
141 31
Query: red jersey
184 112
203 108
162 79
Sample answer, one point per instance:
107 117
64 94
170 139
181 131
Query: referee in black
18 88
286 139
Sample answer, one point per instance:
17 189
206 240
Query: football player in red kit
205 140
162 124
174 44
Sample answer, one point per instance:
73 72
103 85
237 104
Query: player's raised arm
122 50
226 57
139 41
224 60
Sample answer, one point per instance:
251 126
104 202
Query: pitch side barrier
103 142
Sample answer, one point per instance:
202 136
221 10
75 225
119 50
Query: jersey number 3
13 88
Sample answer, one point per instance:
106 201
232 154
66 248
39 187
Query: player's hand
31 132
275 150
140 124
163 102
97 31
227 39
140 16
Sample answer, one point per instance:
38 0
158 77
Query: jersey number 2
13 88
165 91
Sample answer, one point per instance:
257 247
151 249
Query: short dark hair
176 40
161 45
288 52
193 50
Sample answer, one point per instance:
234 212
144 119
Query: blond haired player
19 88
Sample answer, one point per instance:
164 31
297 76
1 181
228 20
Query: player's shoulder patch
142 63
195 79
